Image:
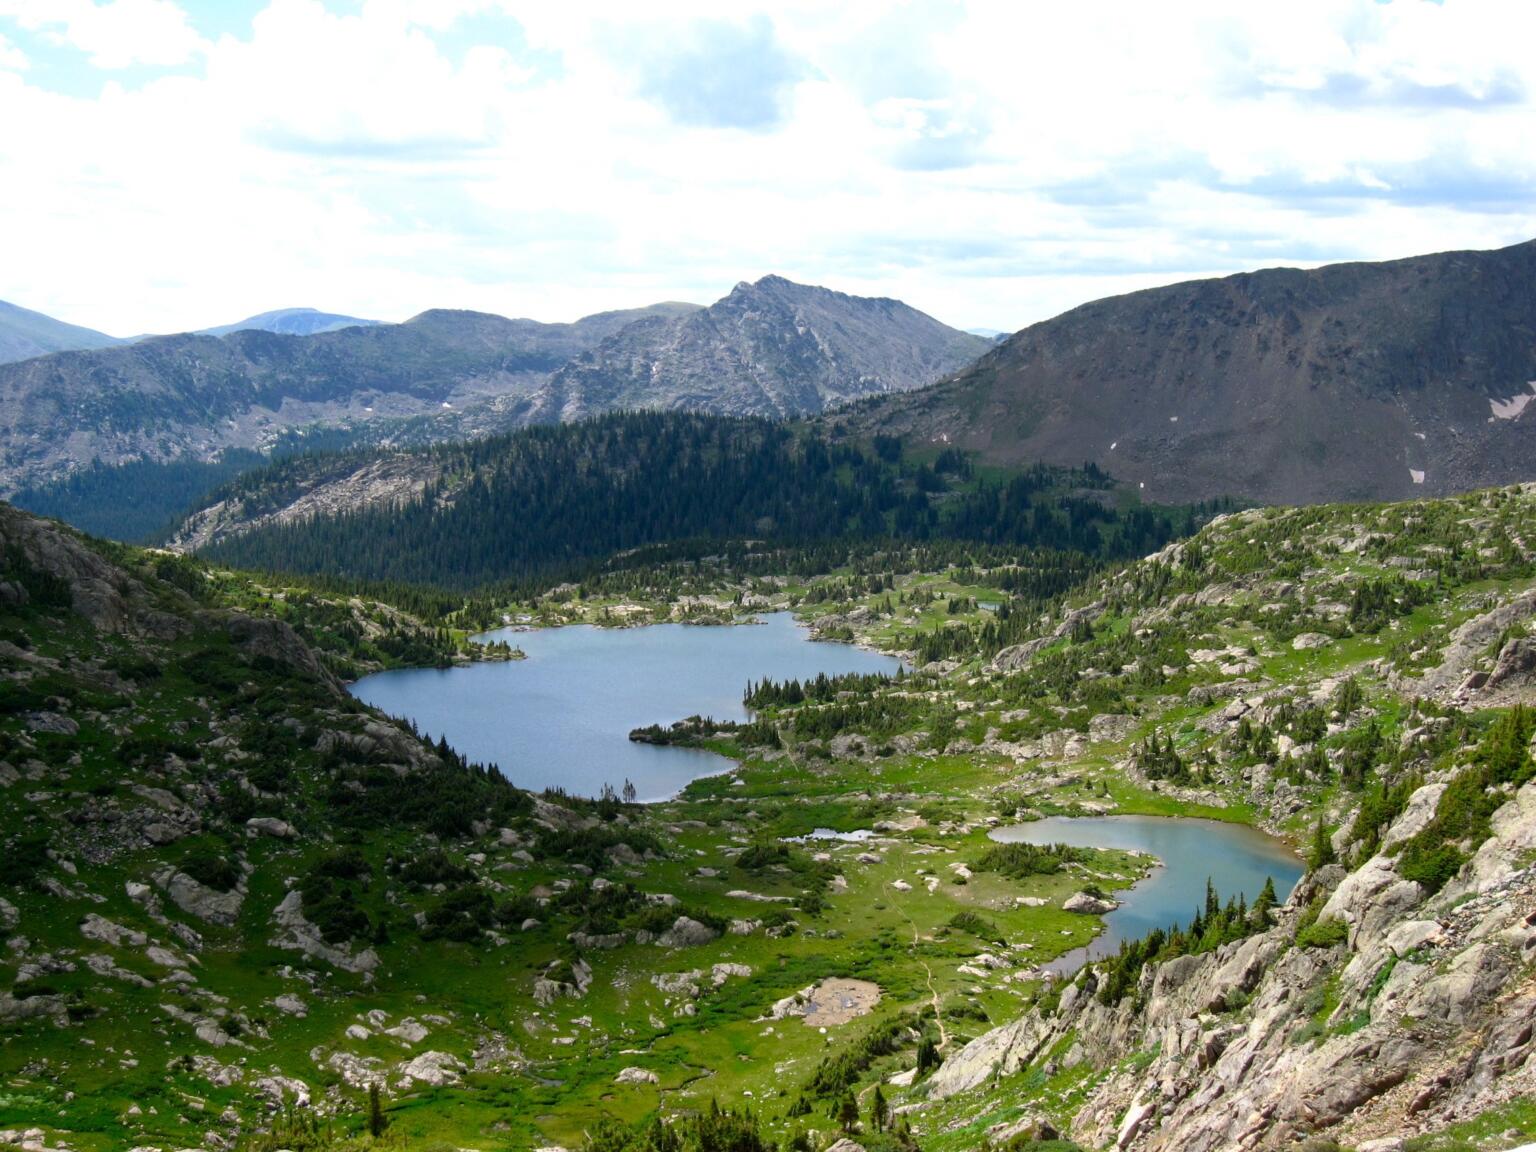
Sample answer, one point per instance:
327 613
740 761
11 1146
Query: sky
172 165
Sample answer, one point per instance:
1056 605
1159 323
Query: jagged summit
773 347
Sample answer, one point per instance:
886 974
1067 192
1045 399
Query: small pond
1235 858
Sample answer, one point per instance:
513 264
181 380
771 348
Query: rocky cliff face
342 486
1420 1016
773 348
1349 382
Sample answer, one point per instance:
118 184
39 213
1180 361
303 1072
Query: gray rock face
636 1076
270 826
435 1069
773 348
1088 903
547 989
98 590
1467 644
105 931
1349 382
276 641
1516 663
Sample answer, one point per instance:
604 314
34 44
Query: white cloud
116 34
988 161
12 58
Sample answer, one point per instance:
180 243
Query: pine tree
927 1056
1267 900
1322 847
376 1121
847 1113
879 1111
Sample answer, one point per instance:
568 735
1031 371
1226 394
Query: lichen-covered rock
198 899
1088 903
686 933
436 1069
270 826
105 931
298 934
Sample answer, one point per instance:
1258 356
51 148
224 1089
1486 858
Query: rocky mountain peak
772 348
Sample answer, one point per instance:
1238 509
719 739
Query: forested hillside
543 499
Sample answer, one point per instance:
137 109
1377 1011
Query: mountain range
1347 382
25 333
1359 381
770 348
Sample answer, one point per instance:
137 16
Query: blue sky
168 165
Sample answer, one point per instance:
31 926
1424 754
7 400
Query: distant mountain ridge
25 333
1363 381
773 348
292 322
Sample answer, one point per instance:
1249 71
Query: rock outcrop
298 934
198 899
1420 1017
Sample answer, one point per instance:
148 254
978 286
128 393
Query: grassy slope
481 991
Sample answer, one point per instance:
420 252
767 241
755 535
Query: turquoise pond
1234 858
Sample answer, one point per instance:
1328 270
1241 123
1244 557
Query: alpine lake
561 718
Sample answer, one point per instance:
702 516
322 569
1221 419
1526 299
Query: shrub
1322 934
1020 860
460 915
212 867
23 860
977 926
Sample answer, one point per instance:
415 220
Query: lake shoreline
562 717
1173 889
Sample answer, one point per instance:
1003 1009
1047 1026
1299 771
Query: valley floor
230 891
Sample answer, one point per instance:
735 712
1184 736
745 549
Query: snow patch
1421 436
1113 445
1511 408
